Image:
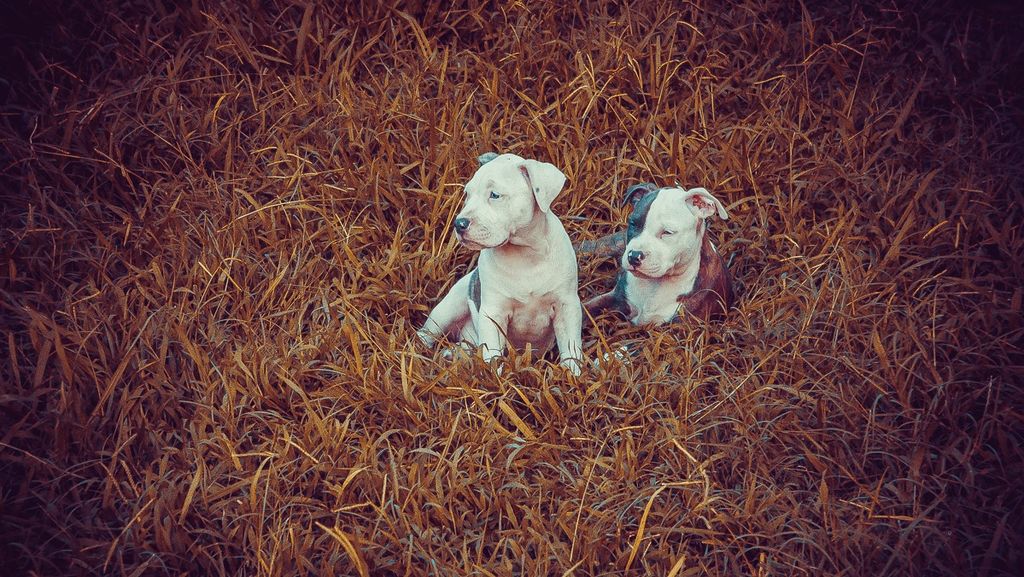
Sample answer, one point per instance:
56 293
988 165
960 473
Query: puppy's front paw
461 350
621 354
494 359
572 365
426 338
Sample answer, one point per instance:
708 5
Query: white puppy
524 289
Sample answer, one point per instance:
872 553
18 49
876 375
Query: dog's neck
532 238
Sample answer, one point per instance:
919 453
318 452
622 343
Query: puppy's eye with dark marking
495 195
667 232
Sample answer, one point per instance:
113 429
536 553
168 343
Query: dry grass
221 226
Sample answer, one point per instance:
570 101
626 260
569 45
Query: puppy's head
504 196
666 228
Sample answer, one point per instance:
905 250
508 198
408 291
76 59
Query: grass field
222 224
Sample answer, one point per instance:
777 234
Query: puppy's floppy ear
638 191
703 204
544 180
486 157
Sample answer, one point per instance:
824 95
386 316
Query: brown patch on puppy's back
712 291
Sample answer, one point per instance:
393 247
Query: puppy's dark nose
635 257
461 224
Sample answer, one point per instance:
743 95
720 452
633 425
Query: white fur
527 266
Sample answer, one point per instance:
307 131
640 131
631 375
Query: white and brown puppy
524 289
668 265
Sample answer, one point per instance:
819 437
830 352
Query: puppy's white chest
530 321
531 299
651 301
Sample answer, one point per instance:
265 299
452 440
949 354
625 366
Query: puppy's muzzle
635 258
